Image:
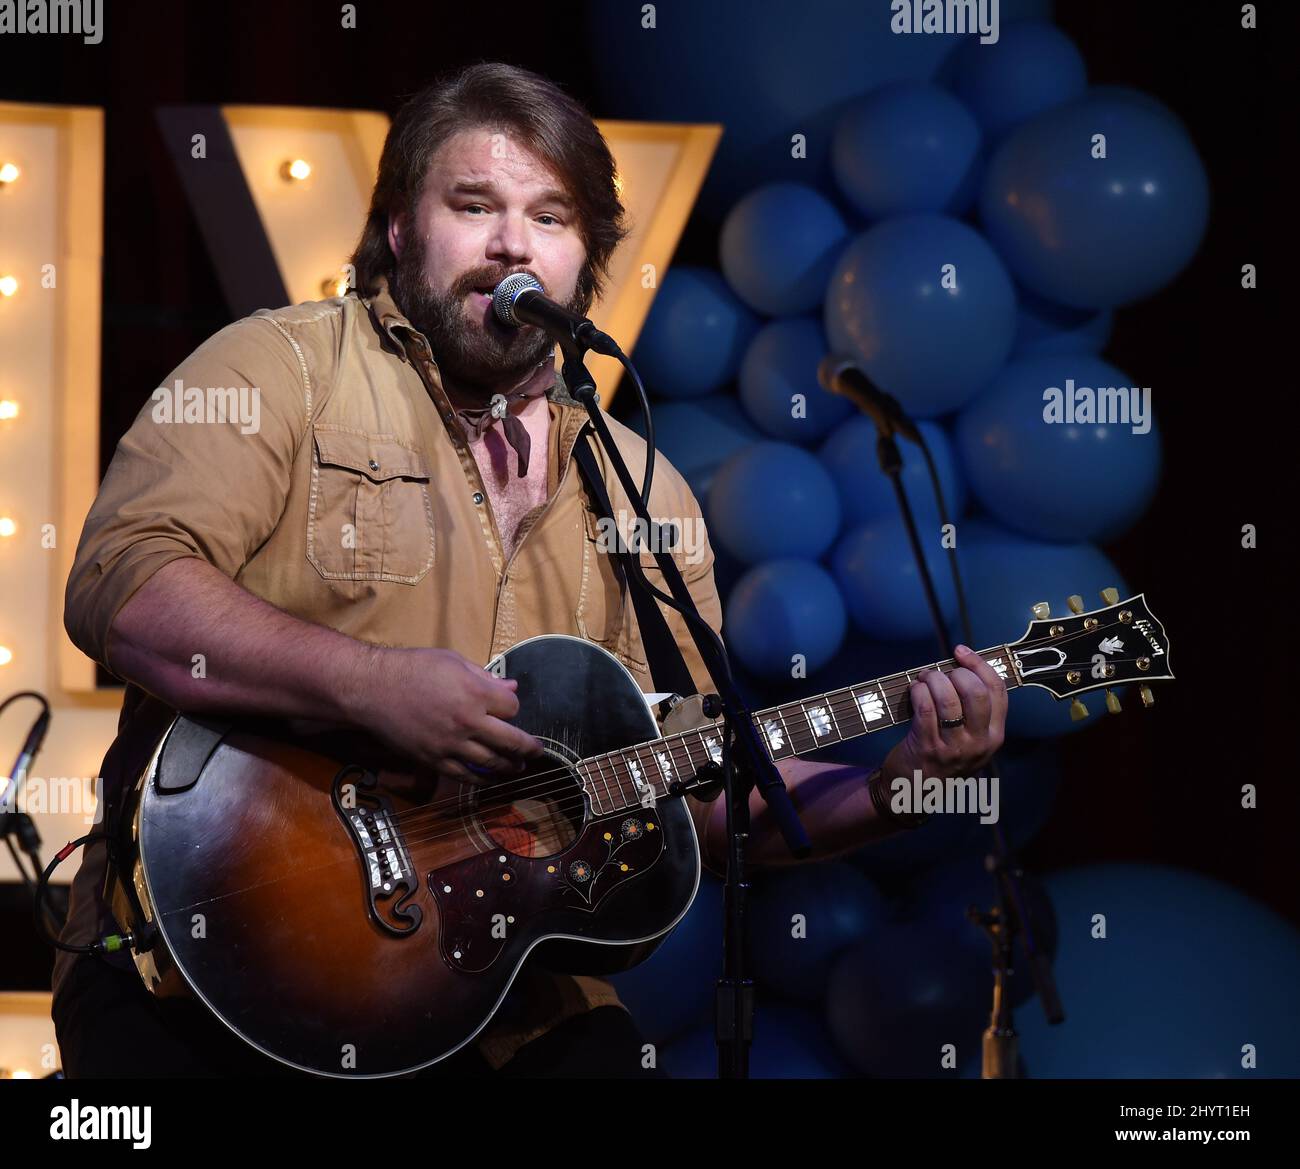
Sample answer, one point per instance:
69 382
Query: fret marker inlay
872 707
819 720
644 790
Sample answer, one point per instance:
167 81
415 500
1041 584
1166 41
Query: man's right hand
434 706
444 712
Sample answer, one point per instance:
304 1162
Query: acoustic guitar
348 918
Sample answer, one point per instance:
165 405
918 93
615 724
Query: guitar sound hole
535 814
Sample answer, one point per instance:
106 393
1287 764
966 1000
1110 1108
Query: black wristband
878 789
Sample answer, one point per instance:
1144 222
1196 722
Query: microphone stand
18 824
745 762
1010 918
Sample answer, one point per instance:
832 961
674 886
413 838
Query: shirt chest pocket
370 517
602 593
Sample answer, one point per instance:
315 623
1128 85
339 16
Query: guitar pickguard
480 900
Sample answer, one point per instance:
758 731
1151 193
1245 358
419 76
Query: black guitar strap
667 666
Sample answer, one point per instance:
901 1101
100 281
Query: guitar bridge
390 876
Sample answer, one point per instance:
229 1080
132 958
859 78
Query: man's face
489 208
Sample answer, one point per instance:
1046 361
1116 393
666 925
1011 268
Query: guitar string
566 799
898 685
897 688
465 822
536 785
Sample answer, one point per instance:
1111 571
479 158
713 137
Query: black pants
108 1025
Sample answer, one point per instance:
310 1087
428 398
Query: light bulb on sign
7 526
8 409
8 285
6 655
8 173
295 170
335 285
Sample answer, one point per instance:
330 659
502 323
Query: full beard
480 359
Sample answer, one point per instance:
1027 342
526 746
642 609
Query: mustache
493 278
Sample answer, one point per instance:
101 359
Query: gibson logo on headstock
1144 627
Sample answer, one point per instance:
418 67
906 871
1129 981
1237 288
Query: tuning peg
1078 712
1075 602
1112 702
1148 699
1110 596
1042 610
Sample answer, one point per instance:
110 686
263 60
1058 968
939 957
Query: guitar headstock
1123 642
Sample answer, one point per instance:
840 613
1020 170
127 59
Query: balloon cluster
855 981
963 224
965 245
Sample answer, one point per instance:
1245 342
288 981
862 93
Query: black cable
635 561
105 945
648 477
963 612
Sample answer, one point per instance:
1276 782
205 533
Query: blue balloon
1040 464
939 897
781 608
695 335
790 1043
1029 777
1190 972
780 363
1005 575
802 917
697 436
1044 327
867 493
1032 67
773 501
782 73
673 989
926 307
878 575
778 246
1096 232
908 852
895 1002
907 147
727 570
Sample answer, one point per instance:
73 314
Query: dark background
1161 785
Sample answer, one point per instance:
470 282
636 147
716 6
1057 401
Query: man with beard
406 510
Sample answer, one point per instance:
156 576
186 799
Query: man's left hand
972 692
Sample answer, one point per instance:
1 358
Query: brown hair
503 97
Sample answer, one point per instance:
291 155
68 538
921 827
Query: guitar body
346 919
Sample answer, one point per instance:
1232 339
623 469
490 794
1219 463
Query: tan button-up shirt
354 501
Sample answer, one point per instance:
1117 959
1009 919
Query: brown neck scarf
477 419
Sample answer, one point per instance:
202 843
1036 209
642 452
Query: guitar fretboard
623 779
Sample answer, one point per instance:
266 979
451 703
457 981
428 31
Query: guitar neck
625 778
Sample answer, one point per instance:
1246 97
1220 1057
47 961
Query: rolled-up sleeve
183 483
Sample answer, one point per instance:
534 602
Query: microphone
519 300
840 375
26 756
